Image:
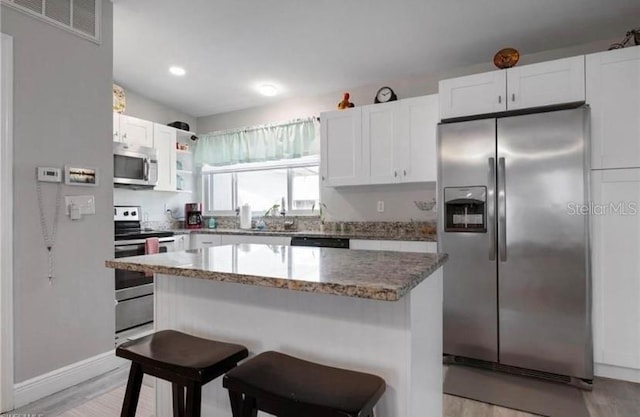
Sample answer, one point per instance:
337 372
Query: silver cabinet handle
491 208
323 178
502 210
395 173
404 171
513 96
124 136
500 99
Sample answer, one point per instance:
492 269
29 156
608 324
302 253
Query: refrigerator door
543 267
466 178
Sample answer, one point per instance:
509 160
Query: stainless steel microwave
134 166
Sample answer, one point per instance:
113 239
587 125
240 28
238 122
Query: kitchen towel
151 246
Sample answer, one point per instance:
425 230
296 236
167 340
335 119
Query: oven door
132 279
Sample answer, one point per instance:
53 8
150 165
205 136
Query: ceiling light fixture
177 71
268 90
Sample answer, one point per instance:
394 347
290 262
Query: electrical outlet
380 206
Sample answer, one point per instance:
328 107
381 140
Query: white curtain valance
273 142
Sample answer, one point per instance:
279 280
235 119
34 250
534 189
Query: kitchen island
370 311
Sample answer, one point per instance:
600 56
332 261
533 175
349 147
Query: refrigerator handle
502 211
491 208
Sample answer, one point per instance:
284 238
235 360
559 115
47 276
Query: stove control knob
126 213
133 213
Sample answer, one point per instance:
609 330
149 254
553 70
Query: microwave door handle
491 208
146 169
502 210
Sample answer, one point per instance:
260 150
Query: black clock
385 95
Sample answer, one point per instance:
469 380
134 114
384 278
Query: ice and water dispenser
465 209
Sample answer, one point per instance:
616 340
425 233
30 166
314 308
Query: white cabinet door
546 83
393 245
164 141
181 243
473 94
616 267
203 240
341 154
380 132
613 92
264 240
136 131
416 144
116 127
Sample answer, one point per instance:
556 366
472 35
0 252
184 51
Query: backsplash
312 223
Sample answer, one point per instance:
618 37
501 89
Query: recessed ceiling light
268 90
179 71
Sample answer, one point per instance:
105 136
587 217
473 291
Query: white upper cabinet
473 94
381 143
616 267
136 131
613 92
341 150
164 141
547 83
416 144
380 132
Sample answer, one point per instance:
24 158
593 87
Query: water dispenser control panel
465 209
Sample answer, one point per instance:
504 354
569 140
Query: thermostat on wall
48 174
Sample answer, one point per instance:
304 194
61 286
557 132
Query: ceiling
309 48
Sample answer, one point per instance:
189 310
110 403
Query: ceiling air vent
81 17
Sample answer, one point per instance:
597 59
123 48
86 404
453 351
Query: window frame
289 165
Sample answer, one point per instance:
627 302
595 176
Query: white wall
153 203
359 203
62 114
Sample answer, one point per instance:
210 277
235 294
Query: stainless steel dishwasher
320 242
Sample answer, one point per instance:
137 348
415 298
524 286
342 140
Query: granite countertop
377 275
373 235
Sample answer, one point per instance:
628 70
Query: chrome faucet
237 217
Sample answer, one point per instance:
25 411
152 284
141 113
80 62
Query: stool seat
188 362
284 385
189 356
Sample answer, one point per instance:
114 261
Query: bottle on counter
211 223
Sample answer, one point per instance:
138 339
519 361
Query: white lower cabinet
394 245
264 240
203 240
181 242
616 268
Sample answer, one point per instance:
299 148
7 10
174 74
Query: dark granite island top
377 275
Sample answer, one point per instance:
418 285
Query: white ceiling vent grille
81 17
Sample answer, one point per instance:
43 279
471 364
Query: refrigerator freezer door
466 155
543 267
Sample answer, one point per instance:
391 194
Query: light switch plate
86 203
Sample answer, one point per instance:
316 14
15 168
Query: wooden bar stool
188 362
290 387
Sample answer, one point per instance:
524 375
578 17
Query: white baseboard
618 372
44 385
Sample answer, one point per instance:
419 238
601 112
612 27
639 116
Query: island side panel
365 335
426 304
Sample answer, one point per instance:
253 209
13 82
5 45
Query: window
261 185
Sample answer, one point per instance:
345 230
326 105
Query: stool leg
130 403
194 397
249 407
178 400
236 403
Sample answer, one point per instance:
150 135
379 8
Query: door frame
6 223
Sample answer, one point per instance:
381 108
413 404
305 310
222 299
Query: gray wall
62 114
359 203
153 202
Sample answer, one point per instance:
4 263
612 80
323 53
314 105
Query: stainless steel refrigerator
512 198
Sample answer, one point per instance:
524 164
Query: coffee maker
193 215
